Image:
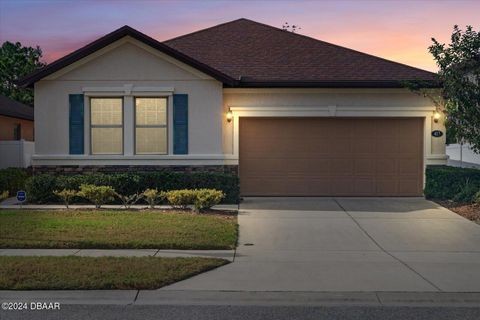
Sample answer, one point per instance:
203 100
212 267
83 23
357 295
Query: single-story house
16 120
292 115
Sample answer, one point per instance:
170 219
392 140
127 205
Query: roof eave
331 84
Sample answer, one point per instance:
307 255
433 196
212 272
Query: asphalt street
147 312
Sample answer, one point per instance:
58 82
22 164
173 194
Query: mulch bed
469 211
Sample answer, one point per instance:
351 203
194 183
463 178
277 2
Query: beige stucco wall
135 65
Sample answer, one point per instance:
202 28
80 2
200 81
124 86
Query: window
150 125
106 125
17 131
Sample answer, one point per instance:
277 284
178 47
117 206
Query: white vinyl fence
462 155
16 153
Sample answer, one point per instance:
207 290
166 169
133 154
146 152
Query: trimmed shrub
98 195
66 195
152 196
41 187
451 183
13 180
3 195
180 199
207 198
130 200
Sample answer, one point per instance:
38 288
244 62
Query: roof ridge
205 29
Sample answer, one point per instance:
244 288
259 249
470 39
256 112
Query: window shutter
76 123
180 123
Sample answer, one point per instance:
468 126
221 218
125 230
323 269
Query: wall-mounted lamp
229 115
436 116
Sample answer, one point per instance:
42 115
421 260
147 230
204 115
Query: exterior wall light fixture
436 116
229 115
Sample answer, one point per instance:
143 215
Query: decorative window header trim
127 90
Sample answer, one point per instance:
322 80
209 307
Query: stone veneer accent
233 169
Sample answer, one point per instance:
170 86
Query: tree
459 64
17 61
292 28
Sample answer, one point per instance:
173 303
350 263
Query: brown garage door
331 156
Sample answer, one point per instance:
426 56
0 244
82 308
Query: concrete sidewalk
12 203
226 298
222 254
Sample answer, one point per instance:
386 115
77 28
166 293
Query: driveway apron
348 244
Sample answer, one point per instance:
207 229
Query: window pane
151 111
151 140
106 111
107 141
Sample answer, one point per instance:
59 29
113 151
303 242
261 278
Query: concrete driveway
348 244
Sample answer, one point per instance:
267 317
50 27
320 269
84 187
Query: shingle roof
15 109
245 53
257 53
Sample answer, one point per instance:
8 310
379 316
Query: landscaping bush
129 200
3 195
207 198
98 195
66 195
13 180
152 196
451 183
180 199
40 187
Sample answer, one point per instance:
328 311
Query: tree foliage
459 64
291 28
17 61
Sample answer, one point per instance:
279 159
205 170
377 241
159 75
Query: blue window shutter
180 123
76 123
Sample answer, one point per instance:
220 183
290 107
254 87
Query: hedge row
40 187
451 183
13 180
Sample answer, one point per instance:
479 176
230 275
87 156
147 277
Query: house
292 115
16 120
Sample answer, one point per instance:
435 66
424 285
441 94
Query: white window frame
166 125
92 126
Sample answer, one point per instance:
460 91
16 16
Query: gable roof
15 109
245 53
262 55
104 41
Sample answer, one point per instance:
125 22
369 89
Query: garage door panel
386 145
385 187
318 166
342 186
341 167
408 186
331 156
364 186
408 166
364 166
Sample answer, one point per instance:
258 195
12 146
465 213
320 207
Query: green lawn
116 229
66 273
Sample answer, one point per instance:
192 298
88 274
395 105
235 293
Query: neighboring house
16 120
307 118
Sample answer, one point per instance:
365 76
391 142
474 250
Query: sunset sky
396 30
